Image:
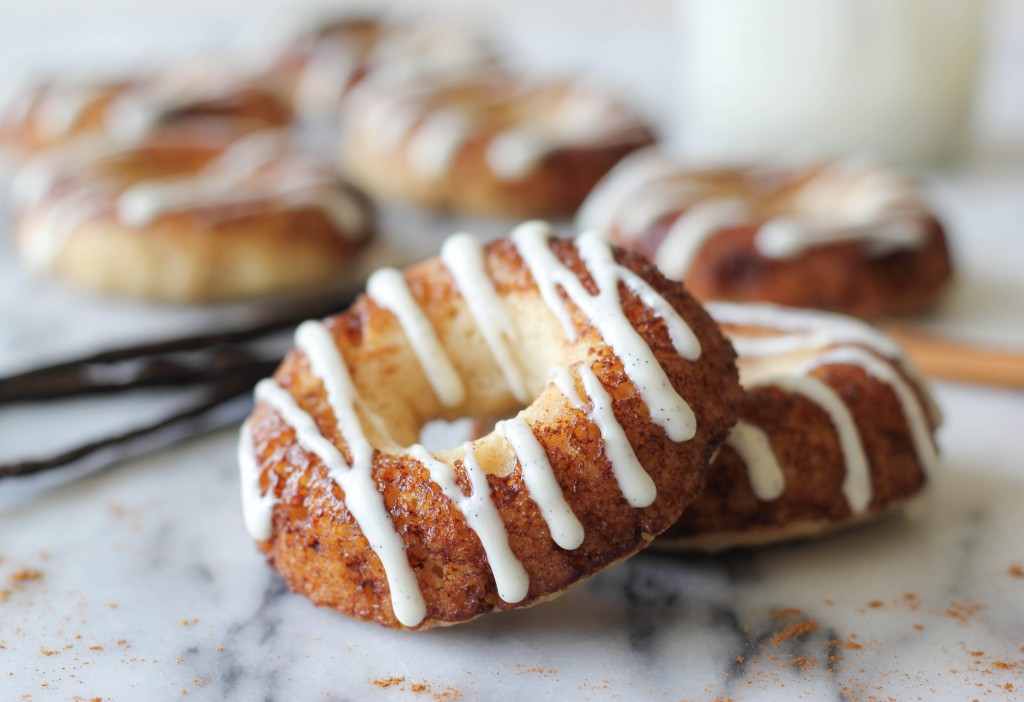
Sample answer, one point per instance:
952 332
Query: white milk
824 78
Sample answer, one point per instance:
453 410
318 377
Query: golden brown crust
806 445
247 106
25 134
203 253
322 553
555 185
838 278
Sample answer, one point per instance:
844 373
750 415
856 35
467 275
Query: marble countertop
141 583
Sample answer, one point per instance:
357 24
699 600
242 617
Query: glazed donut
623 387
835 429
485 142
188 220
325 60
847 237
54 111
190 96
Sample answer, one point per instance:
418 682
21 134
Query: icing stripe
628 178
604 310
565 528
790 237
810 330
692 228
436 141
257 508
362 497
763 470
463 255
853 343
228 180
912 409
857 482
483 518
389 289
840 202
636 485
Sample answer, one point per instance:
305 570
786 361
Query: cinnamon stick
953 360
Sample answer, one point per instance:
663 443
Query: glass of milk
808 79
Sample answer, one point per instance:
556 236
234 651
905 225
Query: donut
835 429
192 96
53 111
485 142
322 62
847 237
617 387
188 220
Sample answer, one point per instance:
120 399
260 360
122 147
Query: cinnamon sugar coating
317 545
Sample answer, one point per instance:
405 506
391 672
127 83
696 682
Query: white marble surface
149 588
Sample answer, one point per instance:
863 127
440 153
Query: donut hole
440 434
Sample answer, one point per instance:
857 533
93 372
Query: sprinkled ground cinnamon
388 682
794 629
26 574
1016 570
963 611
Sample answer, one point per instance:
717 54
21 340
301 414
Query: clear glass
828 78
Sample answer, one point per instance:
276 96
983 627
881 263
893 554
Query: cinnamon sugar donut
847 237
485 142
188 220
624 389
835 429
191 96
325 60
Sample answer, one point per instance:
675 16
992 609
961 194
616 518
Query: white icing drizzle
857 481
410 107
324 78
515 153
45 240
631 177
483 518
230 179
604 310
435 142
136 112
789 237
362 497
913 411
805 329
835 340
636 485
36 179
691 229
257 508
808 330
842 202
763 470
388 288
463 255
566 530
59 107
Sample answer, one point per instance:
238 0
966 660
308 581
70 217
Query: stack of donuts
629 415
626 426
